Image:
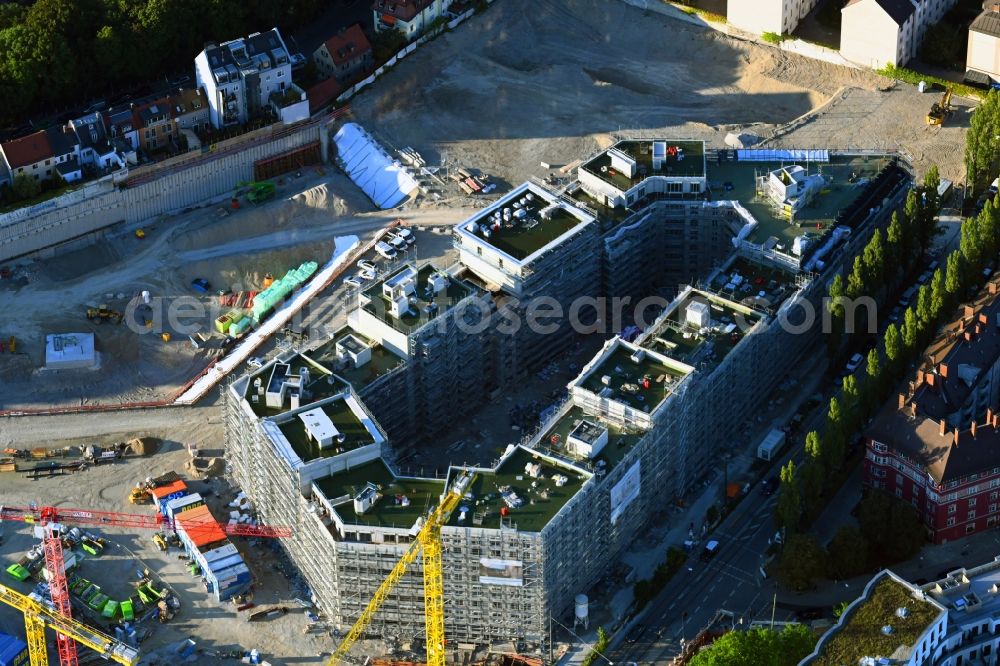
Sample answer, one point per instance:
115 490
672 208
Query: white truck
772 444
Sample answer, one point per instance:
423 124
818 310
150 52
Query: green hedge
909 76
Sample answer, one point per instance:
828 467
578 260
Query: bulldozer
140 495
940 110
104 313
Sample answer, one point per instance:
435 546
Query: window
971 515
48 162
899 492
970 528
972 502
952 508
479 250
880 447
899 479
950 522
993 508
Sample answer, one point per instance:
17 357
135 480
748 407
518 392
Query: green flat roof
541 502
522 238
343 418
620 441
860 633
692 166
452 294
777 284
382 362
679 340
423 494
627 379
822 211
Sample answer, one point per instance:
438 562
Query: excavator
259 191
104 313
940 110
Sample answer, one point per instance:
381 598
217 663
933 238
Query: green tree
925 310
969 247
895 245
911 332
788 510
856 285
813 472
851 397
929 207
874 263
848 553
981 140
893 347
953 278
25 187
891 526
874 382
840 609
835 435
939 296
803 561
758 647
835 306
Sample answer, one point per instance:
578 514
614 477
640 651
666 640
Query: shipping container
13 651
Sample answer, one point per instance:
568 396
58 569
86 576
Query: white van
385 250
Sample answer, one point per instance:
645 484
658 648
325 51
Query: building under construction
312 436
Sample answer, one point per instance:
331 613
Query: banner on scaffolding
624 492
501 572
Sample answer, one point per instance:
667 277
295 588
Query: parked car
397 243
201 284
255 362
366 275
366 265
769 487
354 282
855 362
385 250
777 539
711 550
406 235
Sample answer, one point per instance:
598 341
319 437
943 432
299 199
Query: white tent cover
371 168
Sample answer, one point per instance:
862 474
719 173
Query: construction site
397 471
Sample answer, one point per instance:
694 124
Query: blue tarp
371 168
776 155
13 651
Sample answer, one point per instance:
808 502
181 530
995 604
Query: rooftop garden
683 340
523 224
620 441
390 510
860 633
419 313
641 385
343 418
531 502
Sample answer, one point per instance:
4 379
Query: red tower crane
50 516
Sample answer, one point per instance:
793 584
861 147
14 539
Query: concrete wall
168 187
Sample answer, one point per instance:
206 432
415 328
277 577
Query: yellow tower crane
427 541
37 616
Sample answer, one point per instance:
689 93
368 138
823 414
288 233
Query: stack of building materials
265 301
167 492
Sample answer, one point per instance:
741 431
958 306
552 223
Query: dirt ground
233 251
554 80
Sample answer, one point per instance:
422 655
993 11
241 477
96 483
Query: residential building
345 56
876 33
778 16
952 621
96 148
410 17
240 76
122 129
982 60
644 421
935 447
29 155
189 110
155 125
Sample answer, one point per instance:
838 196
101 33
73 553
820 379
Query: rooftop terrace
321 385
633 376
859 633
620 441
704 334
687 160
736 180
355 434
532 499
390 510
973 592
381 363
524 222
754 278
424 304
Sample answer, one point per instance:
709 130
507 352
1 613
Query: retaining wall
147 192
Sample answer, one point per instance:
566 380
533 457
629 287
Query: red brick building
938 445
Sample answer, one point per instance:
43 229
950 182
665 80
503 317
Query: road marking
712 589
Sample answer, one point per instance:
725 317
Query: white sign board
501 572
624 492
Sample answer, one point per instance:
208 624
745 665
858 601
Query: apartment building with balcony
241 76
778 16
876 33
409 17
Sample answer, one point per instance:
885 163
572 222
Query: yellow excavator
102 313
940 110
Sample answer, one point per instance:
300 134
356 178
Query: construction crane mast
38 616
427 541
59 589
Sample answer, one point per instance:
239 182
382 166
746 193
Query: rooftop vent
902 612
888 630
